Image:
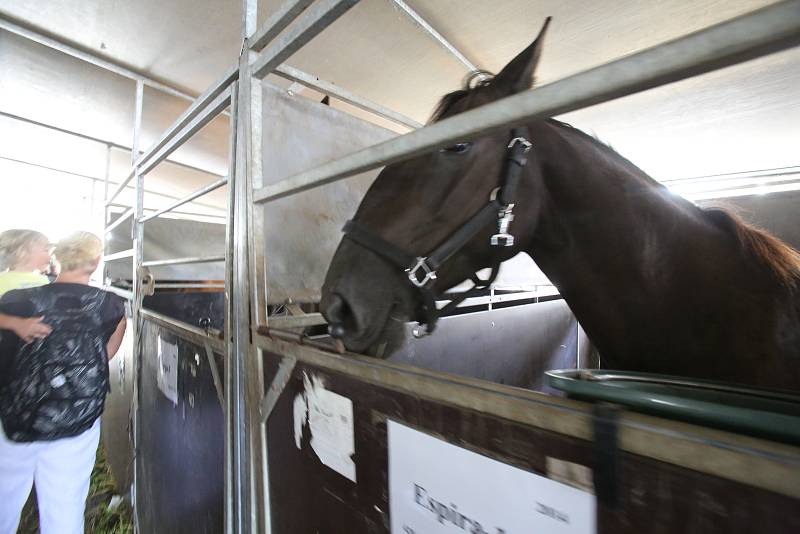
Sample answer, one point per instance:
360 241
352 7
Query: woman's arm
26 328
116 338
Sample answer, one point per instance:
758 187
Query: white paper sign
438 488
167 377
329 418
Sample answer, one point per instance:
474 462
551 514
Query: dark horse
659 284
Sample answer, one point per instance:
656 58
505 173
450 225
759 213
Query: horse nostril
336 331
338 314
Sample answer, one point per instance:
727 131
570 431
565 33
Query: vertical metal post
240 321
240 492
230 493
136 306
258 308
106 177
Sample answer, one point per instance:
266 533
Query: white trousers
61 470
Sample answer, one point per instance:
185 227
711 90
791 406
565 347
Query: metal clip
521 140
502 238
148 281
429 274
419 331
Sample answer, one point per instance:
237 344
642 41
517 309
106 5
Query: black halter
421 270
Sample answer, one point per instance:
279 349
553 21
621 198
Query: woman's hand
28 329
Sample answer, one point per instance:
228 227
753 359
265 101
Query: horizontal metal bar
187 215
312 22
197 107
187 331
298 76
276 388
183 261
187 285
120 187
119 220
781 171
119 255
496 299
277 22
197 122
295 321
64 48
127 294
438 37
212 364
178 212
111 144
762 32
188 198
733 183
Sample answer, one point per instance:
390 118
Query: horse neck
603 226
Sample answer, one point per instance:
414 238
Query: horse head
417 206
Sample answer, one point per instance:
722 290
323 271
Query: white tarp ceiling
742 118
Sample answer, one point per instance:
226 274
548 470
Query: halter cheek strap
421 270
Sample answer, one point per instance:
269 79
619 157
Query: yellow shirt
16 280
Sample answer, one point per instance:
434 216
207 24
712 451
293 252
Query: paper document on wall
328 417
167 377
438 488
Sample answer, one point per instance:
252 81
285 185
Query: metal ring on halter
524 142
429 274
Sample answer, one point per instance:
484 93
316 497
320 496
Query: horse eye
458 148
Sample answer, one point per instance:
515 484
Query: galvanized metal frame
188 198
183 261
312 82
311 23
276 23
136 304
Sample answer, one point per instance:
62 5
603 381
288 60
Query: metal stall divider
200 113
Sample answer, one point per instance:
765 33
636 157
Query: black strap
378 245
462 236
516 159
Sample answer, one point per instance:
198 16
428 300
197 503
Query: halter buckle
428 274
502 238
521 140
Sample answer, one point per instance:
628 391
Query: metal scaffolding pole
438 37
136 306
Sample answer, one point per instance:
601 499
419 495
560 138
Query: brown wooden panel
308 497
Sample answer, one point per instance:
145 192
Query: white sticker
329 418
167 377
438 488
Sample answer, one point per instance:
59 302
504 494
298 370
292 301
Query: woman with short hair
54 394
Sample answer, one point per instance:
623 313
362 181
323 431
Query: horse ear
517 76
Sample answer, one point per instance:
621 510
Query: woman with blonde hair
54 394
24 257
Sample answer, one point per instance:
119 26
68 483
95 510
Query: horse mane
782 260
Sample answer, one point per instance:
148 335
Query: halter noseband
421 270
